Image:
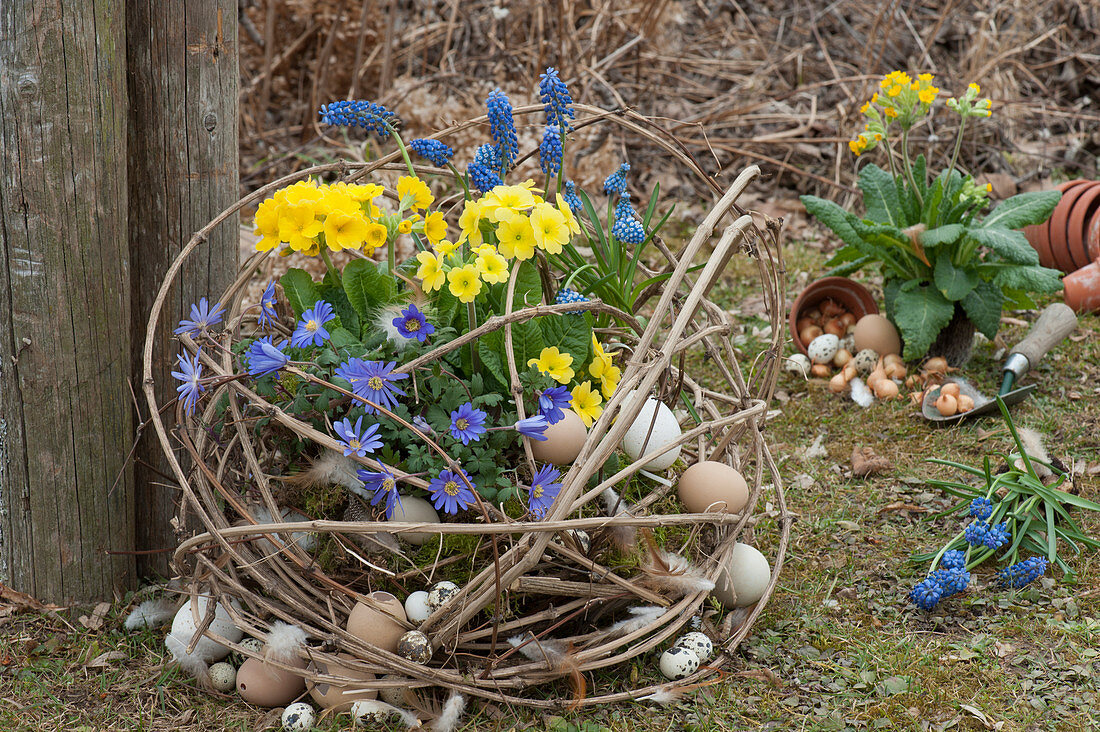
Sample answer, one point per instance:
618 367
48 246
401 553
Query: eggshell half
711 487
340 697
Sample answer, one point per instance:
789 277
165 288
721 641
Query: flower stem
329 267
909 167
471 312
955 153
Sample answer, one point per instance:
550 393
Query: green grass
836 648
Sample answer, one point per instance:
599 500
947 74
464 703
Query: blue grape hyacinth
550 151
486 168
502 127
556 100
1023 573
615 184
434 151
569 193
981 508
569 295
368 115
926 595
953 559
628 227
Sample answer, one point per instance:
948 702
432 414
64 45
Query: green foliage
934 251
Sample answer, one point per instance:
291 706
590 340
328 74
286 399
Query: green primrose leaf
366 287
880 196
301 291
921 312
1022 210
1011 245
834 217
949 234
954 282
983 306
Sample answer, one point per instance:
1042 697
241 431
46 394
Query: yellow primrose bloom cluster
968 105
508 222
900 99
308 215
586 400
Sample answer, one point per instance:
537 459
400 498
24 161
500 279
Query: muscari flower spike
268 316
368 115
953 559
449 492
203 318
981 508
411 323
926 595
265 358
976 532
372 380
190 372
544 489
383 486
569 193
556 100
468 423
997 536
1023 573
628 227
951 581
356 440
569 295
486 168
550 151
615 184
436 152
553 402
502 127
311 326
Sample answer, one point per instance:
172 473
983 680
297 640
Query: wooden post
65 331
183 85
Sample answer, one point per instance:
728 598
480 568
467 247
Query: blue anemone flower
311 326
553 401
203 318
356 440
411 323
532 427
268 317
190 372
468 423
544 489
372 380
383 486
449 492
264 357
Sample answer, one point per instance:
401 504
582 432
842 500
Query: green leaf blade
920 313
1023 210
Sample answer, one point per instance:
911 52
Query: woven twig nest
529 581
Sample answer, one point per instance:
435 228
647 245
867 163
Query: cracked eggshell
679 663
641 440
340 697
744 578
823 348
184 626
367 713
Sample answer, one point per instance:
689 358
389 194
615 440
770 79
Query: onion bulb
951 389
886 389
965 403
820 371
837 384
947 405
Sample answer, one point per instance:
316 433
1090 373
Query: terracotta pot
1082 289
1039 235
1074 203
1094 238
849 293
1077 228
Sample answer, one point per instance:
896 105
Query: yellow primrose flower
586 403
445 247
601 360
610 381
414 193
551 231
407 225
555 364
435 228
464 283
298 224
313 249
567 214
345 231
854 146
503 200
335 199
267 225
375 237
516 237
469 223
890 112
927 96
974 88
303 190
363 191
430 271
894 90
491 266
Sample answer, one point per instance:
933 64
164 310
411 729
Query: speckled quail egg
415 646
823 348
848 343
298 716
679 663
798 364
581 540
393 695
699 643
864 361
416 606
369 711
223 677
441 593
255 646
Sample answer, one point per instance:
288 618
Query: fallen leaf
978 714
23 602
865 462
816 449
95 622
899 506
104 659
761 674
1002 650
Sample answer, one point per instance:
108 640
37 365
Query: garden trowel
1054 324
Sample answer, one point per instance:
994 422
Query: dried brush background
772 83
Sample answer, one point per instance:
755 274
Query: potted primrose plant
948 269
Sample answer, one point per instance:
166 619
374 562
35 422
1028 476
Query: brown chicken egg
378 621
564 440
874 331
340 697
711 487
267 685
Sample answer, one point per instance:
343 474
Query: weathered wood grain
182 81
65 330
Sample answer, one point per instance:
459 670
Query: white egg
744 578
184 627
299 716
649 433
416 606
848 343
798 363
679 663
823 348
304 540
441 593
699 643
367 711
223 677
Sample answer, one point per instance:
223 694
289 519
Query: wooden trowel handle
1055 323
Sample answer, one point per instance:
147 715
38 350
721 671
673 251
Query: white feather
550 650
861 395
152 613
384 322
452 714
663 695
1033 446
284 642
189 662
644 615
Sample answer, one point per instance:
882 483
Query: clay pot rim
1059 225
1093 239
822 288
1074 290
1084 210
